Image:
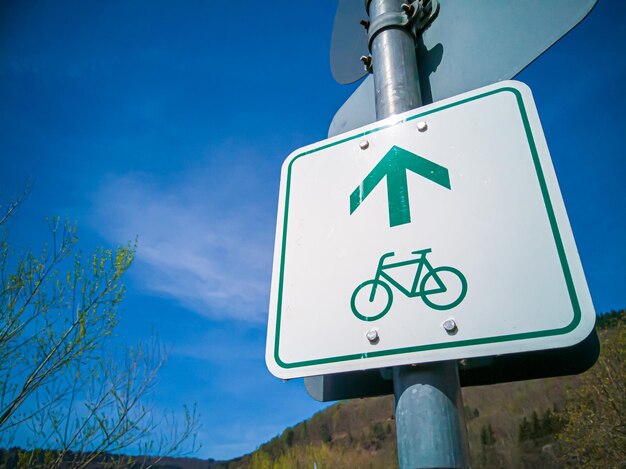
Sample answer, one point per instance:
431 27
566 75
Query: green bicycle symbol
429 288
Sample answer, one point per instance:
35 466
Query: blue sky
169 122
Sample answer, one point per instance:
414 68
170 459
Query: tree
595 431
63 379
289 437
525 431
535 431
489 456
487 436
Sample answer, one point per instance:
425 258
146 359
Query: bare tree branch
60 374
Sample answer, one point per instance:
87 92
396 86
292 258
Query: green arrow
394 165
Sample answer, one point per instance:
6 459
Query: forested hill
574 421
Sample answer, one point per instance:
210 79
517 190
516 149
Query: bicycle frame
413 292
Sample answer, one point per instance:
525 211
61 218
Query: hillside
512 425
574 421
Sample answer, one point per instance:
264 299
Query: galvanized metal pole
430 423
394 63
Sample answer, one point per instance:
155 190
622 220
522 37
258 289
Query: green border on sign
461 343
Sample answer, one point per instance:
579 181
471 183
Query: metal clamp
430 12
415 16
386 21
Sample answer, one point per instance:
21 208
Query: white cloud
205 235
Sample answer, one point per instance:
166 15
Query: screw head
422 126
449 326
372 335
364 144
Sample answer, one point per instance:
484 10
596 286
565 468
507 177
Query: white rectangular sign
433 235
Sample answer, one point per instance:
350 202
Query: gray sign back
469 44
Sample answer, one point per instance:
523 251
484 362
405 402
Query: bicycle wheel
364 303
450 288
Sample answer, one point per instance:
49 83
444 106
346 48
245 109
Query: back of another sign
469 44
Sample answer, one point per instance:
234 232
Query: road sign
469 44
436 234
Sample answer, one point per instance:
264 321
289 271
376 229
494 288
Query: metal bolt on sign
372 335
450 326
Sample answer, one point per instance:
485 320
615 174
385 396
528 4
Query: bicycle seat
422 251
